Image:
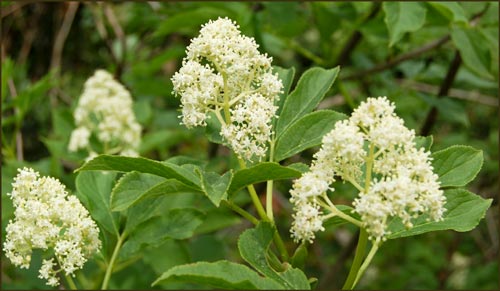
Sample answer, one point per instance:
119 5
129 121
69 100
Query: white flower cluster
402 183
223 70
47 217
105 109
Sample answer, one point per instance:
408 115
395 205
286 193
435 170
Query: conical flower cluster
224 72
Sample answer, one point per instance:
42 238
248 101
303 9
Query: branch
472 96
412 54
7 10
443 91
399 59
356 37
62 35
430 120
117 29
18 133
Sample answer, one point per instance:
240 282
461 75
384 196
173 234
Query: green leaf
464 211
143 165
299 257
305 133
253 245
215 186
175 224
260 173
130 188
403 17
94 189
26 99
310 89
424 142
286 77
451 10
471 45
216 219
219 275
457 165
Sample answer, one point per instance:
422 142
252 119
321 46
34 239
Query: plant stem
269 189
254 196
241 211
71 283
280 245
365 264
369 164
109 269
358 259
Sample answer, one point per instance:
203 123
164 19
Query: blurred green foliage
384 49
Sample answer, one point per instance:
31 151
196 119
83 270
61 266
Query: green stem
71 283
254 196
280 245
336 212
358 259
109 269
369 164
241 211
269 189
365 264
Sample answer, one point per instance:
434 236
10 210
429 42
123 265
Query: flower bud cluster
46 217
398 178
224 71
105 110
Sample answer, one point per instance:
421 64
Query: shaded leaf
253 245
403 17
464 211
175 224
94 190
451 10
457 165
471 45
215 186
310 89
305 133
220 274
260 173
129 189
143 165
424 142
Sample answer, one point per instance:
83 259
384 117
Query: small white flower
105 109
46 217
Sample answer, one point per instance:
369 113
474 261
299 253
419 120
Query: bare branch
62 35
118 30
473 96
399 59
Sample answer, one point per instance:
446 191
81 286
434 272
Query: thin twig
412 54
101 29
7 10
356 36
18 133
401 58
118 30
430 120
62 35
473 96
